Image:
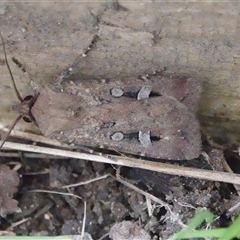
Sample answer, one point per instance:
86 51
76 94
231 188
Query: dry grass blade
132 162
87 182
6 135
34 137
147 195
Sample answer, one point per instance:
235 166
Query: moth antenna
6 135
87 50
68 71
20 65
10 72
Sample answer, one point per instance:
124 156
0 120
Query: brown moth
150 116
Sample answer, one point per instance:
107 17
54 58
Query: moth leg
20 65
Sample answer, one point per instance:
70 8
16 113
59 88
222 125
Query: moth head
23 108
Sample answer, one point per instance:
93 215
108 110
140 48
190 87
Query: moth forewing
184 89
159 127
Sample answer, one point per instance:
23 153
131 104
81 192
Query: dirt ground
113 210
191 39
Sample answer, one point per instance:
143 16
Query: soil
113 210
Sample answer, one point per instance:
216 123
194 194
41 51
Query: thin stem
5 136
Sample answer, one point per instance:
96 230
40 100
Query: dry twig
133 162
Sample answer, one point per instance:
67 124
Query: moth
151 116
